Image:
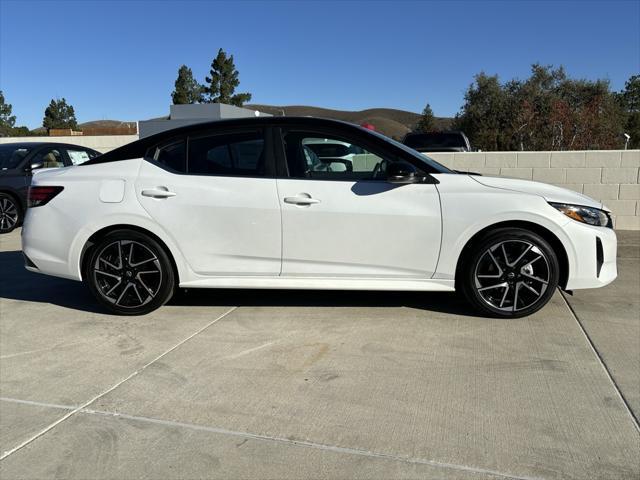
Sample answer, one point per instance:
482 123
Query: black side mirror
403 172
37 164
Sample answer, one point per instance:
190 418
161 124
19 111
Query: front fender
458 230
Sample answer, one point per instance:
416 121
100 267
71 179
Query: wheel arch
97 235
557 245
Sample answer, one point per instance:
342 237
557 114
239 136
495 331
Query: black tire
499 282
120 272
10 213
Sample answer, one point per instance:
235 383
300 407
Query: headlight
592 216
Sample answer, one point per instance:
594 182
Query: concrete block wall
101 143
610 176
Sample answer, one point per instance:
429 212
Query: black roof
44 144
139 147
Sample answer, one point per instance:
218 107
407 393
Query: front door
219 206
341 218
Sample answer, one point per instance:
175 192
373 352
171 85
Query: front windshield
11 156
439 168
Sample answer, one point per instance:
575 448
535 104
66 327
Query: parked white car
242 204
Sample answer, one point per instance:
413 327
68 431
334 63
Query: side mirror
402 172
37 164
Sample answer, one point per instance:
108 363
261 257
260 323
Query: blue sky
119 59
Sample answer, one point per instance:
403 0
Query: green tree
223 81
547 111
7 121
59 114
484 113
427 122
630 100
187 89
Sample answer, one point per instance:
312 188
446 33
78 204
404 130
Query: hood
550 193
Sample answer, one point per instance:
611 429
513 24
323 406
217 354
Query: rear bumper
594 256
45 244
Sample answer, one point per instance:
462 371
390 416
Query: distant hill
389 121
94 124
105 124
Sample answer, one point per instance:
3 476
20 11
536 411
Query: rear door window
232 154
50 158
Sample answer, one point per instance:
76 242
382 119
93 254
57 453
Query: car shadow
17 283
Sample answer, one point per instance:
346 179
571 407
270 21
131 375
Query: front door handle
159 192
301 199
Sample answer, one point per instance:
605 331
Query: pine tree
7 121
187 89
59 115
222 82
427 122
630 97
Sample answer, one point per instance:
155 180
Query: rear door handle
301 199
159 192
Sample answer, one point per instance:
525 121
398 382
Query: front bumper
592 256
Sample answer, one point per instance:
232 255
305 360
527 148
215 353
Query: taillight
39 196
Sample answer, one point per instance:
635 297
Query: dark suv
17 160
437 141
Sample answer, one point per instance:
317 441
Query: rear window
11 156
423 140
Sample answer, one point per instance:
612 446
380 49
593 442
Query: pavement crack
310 444
37 404
245 436
634 419
113 387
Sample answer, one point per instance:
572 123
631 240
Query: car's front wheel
511 272
129 273
10 213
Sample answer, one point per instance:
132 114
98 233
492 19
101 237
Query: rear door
341 218
215 194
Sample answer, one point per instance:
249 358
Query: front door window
314 156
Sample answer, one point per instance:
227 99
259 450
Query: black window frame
267 136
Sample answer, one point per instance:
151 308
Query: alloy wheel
8 214
127 273
512 275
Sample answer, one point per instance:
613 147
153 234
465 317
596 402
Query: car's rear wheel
129 273
10 213
511 273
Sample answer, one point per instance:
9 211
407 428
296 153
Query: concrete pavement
248 384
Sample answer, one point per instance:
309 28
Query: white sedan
244 204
